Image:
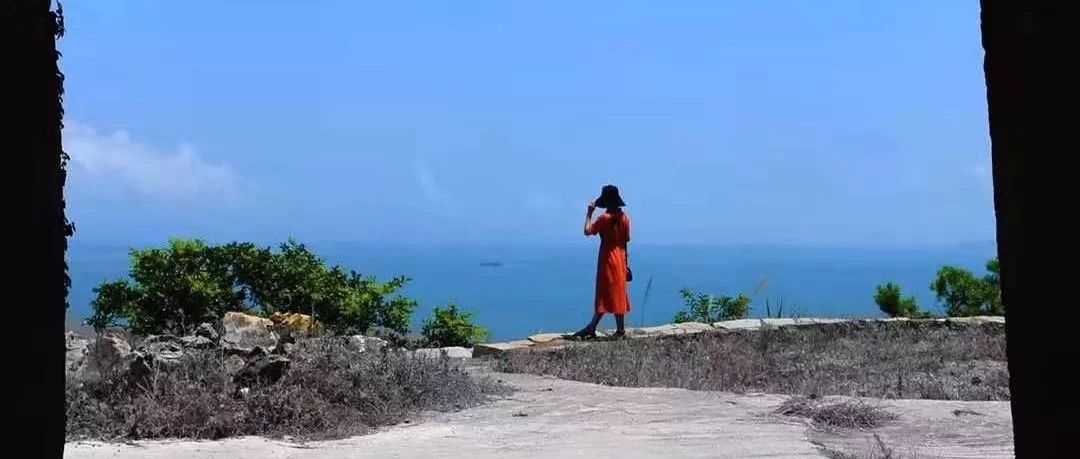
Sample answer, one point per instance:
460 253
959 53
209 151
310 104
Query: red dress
611 292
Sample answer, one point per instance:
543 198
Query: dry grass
876 451
323 395
846 414
925 360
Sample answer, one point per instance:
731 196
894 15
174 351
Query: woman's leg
620 323
590 330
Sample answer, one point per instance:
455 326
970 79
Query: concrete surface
933 429
555 418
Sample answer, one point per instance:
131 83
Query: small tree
451 327
963 294
889 299
701 307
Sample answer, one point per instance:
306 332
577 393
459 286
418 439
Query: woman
612 268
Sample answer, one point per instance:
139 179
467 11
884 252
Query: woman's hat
609 197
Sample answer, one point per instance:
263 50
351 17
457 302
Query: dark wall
34 284
1025 94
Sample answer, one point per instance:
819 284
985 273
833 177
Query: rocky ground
550 417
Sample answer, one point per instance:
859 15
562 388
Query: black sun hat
609 197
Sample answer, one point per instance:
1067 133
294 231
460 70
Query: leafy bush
957 289
450 327
702 307
963 294
174 289
888 298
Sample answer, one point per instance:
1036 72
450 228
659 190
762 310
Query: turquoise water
549 288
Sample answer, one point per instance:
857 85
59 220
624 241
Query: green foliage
963 294
959 291
174 289
889 300
450 327
994 273
701 307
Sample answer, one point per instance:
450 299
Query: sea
520 290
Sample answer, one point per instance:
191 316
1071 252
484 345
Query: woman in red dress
612 267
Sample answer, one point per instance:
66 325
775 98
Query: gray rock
977 320
77 348
197 342
154 353
165 349
362 343
454 352
207 331
233 364
266 369
541 338
739 324
670 329
108 351
756 324
492 349
244 333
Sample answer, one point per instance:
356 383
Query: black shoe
619 335
581 335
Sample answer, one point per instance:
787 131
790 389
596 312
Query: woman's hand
590 207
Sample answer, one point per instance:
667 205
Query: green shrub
174 289
702 307
451 327
963 294
959 292
889 300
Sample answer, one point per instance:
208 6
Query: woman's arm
588 217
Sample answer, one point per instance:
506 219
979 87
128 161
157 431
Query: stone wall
549 340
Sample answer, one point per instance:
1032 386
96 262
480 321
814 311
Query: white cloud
115 158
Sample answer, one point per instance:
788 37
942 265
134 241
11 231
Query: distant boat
491 264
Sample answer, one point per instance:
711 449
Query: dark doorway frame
1019 79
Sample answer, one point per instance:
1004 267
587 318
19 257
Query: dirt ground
550 417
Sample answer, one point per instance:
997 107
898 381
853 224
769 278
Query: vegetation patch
328 391
174 289
846 414
896 359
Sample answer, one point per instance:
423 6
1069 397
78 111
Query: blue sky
794 122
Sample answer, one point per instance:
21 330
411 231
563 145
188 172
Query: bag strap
626 245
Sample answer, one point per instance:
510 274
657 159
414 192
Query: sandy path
555 418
